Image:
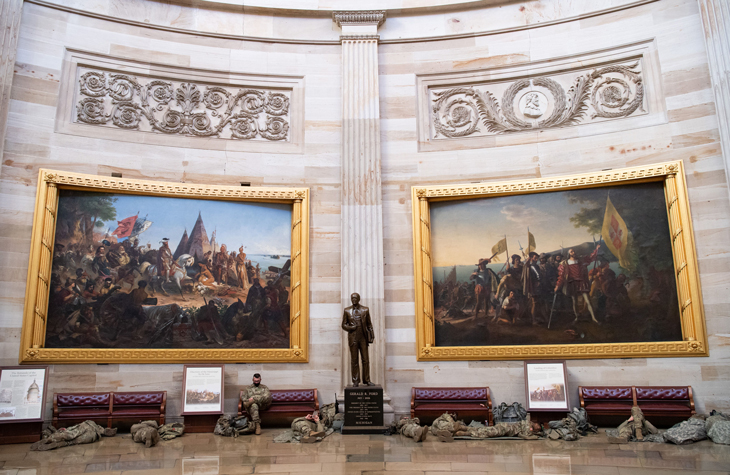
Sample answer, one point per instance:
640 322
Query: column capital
363 23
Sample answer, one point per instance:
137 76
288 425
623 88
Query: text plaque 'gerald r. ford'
363 410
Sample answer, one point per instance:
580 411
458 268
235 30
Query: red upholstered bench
139 406
606 402
108 409
665 403
662 405
71 409
286 405
467 403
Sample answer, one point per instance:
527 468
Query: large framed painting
599 265
140 271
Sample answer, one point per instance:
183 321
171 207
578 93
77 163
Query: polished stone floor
369 455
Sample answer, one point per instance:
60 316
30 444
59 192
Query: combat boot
258 429
444 436
316 434
424 434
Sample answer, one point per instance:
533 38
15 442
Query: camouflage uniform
171 430
571 427
718 427
146 432
411 427
522 429
632 429
261 401
444 427
303 427
686 432
232 426
84 433
303 430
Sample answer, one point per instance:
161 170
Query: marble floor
369 455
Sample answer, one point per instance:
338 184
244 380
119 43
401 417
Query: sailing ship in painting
134 285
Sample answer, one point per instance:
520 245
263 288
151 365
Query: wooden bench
286 405
73 408
468 404
662 405
108 408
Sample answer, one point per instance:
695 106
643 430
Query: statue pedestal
364 410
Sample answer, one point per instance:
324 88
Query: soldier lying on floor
146 433
84 433
311 428
571 427
445 426
523 429
632 429
410 427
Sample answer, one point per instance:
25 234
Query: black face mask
257 384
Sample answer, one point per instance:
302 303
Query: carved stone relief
601 93
181 107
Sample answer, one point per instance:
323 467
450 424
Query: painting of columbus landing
149 272
580 266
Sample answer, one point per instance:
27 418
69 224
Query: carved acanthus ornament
181 108
610 92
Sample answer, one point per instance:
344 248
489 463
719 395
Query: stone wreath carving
202 111
609 92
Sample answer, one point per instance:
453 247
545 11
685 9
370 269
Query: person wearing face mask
257 398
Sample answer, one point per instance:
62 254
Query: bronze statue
356 322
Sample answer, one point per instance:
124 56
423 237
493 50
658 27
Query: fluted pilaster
10 11
716 21
362 207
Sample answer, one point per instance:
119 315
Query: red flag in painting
616 234
125 227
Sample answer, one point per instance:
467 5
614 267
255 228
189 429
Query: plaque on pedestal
363 410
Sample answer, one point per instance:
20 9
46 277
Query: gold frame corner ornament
694 342
33 332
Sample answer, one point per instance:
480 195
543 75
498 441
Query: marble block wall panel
689 133
32 143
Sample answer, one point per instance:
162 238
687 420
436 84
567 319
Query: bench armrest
413 402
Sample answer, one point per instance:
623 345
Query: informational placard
363 410
546 386
22 393
202 389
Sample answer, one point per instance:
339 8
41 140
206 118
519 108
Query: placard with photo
22 393
546 386
202 389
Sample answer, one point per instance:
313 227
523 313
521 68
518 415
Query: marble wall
688 130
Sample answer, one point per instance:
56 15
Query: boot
258 429
444 436
308 440
424 434
316 434
418 434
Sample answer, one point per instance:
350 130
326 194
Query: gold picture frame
50 182
681 240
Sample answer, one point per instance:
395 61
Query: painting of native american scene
149 272
566 267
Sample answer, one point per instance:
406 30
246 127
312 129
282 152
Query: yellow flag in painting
499 248
530 242
616 234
